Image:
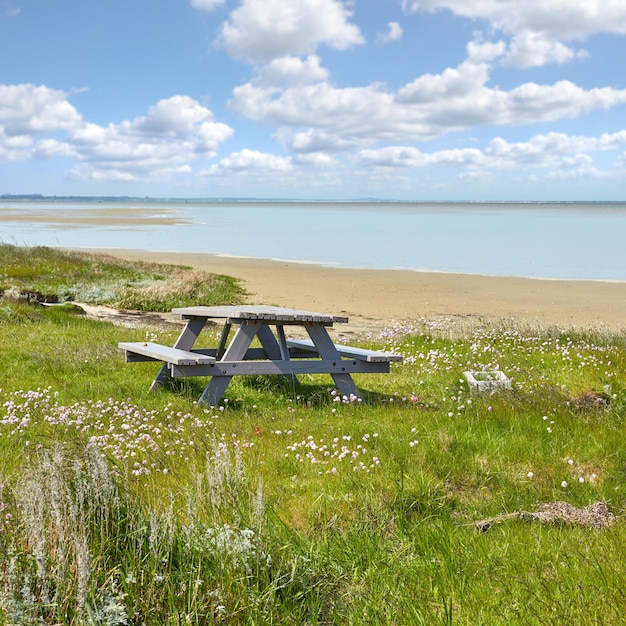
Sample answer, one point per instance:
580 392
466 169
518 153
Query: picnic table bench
276 355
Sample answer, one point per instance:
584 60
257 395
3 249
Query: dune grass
296 506
51 275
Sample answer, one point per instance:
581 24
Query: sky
423 100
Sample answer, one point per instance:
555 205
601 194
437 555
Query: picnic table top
258 312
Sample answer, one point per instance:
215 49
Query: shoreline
375 299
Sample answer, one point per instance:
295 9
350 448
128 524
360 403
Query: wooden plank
236 351
254 312
371 356
327 350
158 352
185 341
228 369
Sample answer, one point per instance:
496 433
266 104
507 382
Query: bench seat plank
370 356
282 368
158 352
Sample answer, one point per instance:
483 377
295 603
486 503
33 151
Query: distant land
36 197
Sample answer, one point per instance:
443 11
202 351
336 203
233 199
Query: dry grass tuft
596 515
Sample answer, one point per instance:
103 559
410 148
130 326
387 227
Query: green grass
51 275
290 506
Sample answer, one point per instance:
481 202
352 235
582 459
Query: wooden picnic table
277 354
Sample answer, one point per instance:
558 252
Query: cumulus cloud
315 159
479 51
453 83
530 49
406 156
250 164
321 117
29 112
247 159
39 122
176 132
27 109
261 30
538 28
570 155
557 19
394 33
247 169
288 71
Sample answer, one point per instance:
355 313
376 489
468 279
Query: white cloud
27 109
393 156
543 147
261 30
479 51
287 71
245 170
556 19
406 156
206 5
315 159
176 132
394 33
247 160
528 49
49 148
453 83
538 27
321 117
569 155
318 115
29 112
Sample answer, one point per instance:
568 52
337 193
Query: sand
374 299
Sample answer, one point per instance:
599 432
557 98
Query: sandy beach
374 299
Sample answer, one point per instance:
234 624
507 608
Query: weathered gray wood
282 342
274 350
185 341
221 348
371 356
328 351
253 312
252 354
236 351
158 352
277 354
228 369
269 343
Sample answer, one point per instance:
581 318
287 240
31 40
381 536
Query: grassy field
422 503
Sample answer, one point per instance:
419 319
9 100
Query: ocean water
542 240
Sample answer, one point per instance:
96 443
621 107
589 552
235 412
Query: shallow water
544 240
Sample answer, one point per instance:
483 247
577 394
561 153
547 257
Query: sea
552 240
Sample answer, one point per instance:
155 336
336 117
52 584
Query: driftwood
596 515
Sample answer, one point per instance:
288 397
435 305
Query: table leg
221 348
235 352
185 341
276 350
269 343
282 342
326 348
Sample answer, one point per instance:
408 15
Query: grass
294 506
51 275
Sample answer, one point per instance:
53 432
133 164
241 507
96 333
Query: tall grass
51 275
417 505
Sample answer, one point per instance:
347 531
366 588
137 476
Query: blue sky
328 99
